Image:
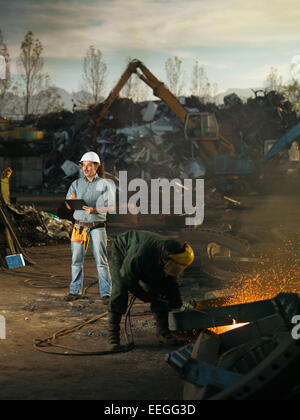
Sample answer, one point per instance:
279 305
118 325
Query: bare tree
94 72
30 64
175 76
4 71
291 92
38 94
273 80
200 85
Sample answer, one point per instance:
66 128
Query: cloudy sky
237 41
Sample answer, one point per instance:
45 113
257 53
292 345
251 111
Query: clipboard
76 204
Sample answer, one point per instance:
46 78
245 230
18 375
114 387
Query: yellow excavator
200 128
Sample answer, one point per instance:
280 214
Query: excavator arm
131 68
160 90
156 85
198 127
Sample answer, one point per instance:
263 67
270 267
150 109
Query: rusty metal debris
224 315
11 239
255 361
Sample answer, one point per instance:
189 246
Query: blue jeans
98 244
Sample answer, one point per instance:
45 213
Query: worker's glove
188 306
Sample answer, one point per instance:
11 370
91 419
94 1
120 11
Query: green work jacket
136 260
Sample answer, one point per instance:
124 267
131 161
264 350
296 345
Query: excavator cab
201 126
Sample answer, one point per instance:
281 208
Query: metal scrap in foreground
258 361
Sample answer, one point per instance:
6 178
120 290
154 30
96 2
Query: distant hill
244 94
16 103
65 98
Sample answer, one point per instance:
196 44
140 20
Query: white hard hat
90 157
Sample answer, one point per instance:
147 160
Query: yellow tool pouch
81 236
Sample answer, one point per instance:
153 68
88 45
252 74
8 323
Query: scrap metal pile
170 137
34 227
146 138
259 360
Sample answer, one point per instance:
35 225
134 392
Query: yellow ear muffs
185 258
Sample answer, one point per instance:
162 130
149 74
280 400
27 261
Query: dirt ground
33 306
33 313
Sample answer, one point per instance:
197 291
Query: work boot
114 331
105 300
71 298
163 334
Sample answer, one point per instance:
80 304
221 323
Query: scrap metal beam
258 361
287 304
216 317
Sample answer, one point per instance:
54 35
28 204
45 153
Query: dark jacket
137 267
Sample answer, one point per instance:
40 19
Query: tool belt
94 225
81 234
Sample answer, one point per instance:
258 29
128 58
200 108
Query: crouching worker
147 266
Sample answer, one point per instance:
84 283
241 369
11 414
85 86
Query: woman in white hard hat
90 224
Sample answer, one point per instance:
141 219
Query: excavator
200 128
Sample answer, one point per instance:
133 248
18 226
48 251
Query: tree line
290 89
32 91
